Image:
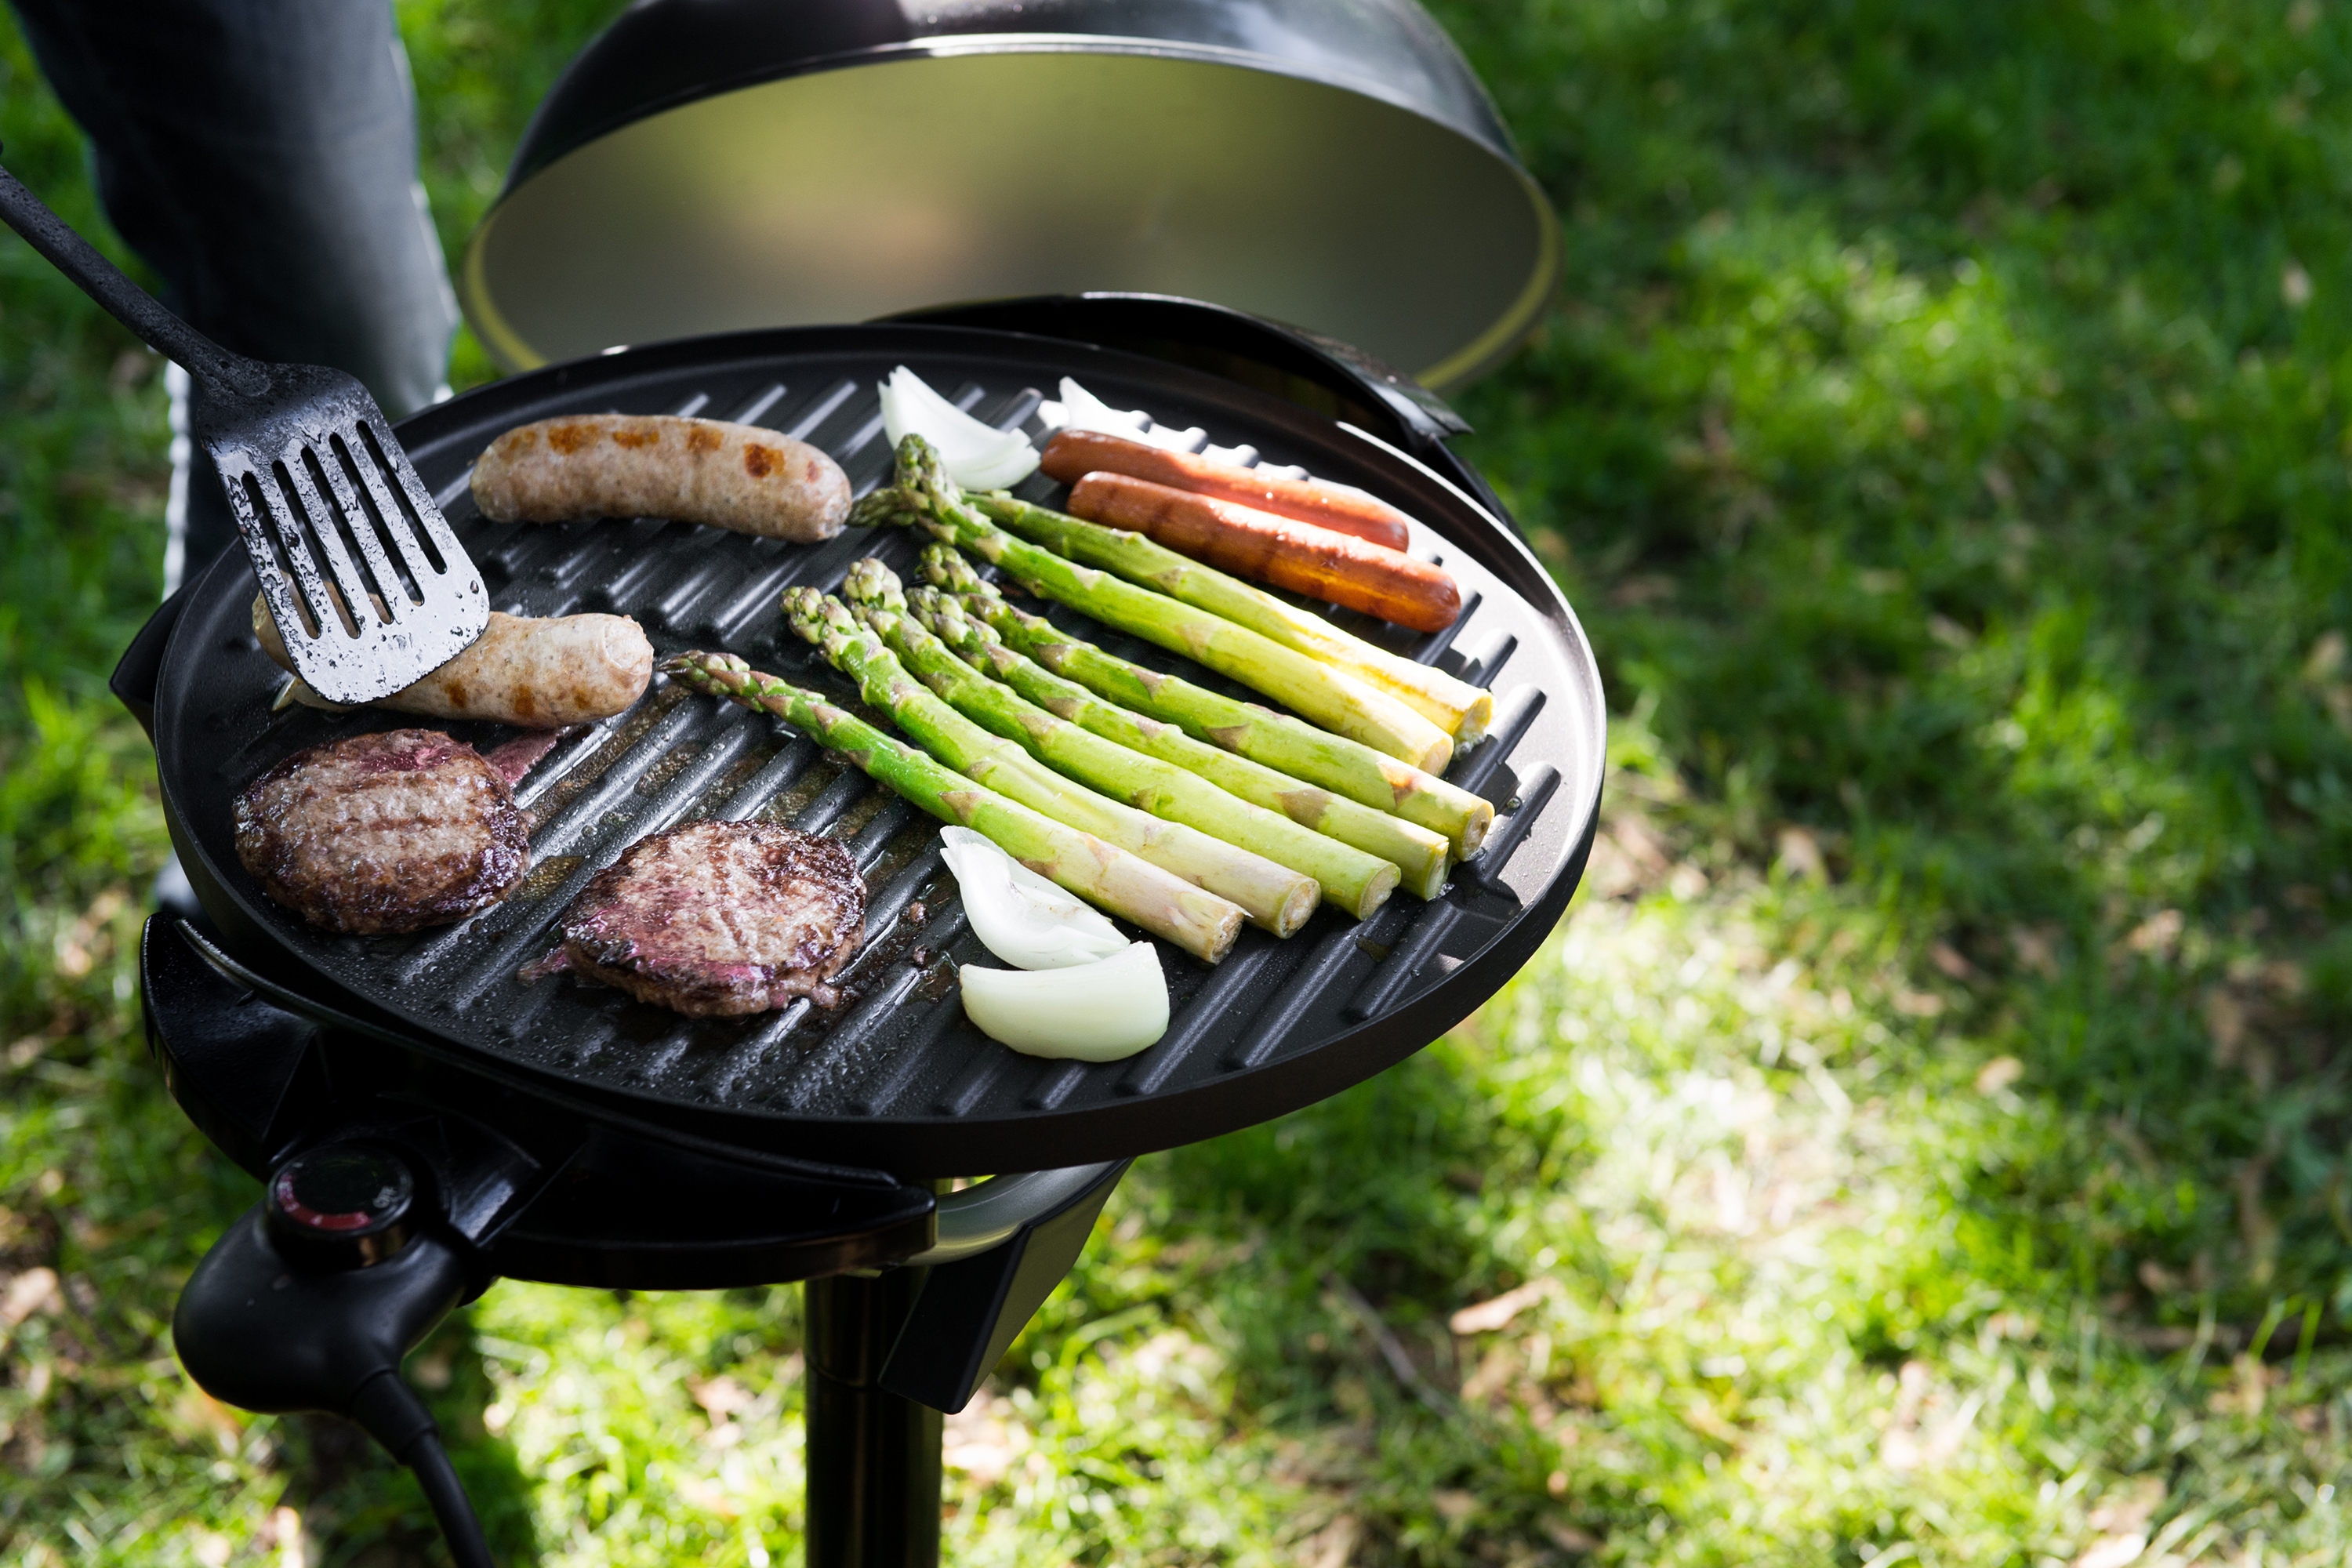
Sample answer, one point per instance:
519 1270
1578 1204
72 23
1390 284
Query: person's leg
261 156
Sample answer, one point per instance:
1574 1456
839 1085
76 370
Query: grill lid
708 165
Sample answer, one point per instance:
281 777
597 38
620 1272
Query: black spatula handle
99 279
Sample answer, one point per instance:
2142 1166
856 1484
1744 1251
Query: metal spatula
314 476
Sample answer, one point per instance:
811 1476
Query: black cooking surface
893 1075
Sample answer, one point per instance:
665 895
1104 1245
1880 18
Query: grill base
533 1189
511 1185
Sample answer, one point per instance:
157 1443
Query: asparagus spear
1460 709
1350 881
1274 897
1275 739
1161 902
1419 855
1330 698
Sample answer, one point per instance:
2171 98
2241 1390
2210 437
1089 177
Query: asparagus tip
805 613
870 582
889 504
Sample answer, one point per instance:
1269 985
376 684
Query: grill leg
873 1457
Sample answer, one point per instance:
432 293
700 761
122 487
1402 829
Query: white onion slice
1097 1012
1017 914
1082 410
977 457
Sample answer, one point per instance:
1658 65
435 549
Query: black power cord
463 1531
312 1300
394 1416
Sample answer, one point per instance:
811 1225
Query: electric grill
424 1121
561 1131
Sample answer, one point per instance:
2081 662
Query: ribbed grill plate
894 1074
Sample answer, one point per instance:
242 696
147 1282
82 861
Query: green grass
1924 1143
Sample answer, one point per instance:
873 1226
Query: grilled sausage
541 674
736 477
1074 454
1337 568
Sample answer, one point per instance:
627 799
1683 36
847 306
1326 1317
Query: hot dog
1074 454
1337 568
736 477
541 674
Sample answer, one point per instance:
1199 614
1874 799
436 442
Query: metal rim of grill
895 1076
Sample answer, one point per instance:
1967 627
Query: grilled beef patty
390 832
718 919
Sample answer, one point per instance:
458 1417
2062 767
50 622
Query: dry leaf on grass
34 1290
2036 948
1333 1546
1923 1432
1486 1317
1570 1540
720 1397
2158 935
1800 855
978 1440
1999 1074
2121 1521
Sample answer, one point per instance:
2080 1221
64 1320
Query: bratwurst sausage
1074 454
541 674
730 475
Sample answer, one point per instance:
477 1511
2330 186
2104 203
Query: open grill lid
709 165
895 1077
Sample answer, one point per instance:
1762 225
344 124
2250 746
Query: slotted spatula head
370 589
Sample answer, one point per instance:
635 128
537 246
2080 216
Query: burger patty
384 833
718 919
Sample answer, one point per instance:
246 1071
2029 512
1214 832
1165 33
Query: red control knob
345 1205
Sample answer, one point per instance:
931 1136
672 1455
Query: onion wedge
978 456
1096 1012
1082 410
1018 915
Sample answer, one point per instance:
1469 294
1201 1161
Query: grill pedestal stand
873 1456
